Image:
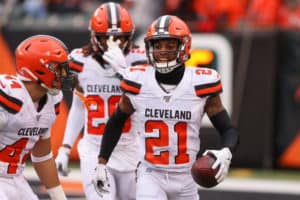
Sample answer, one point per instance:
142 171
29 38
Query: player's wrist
102 161
226 151
64 150
57 193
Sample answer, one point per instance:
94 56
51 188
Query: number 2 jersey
101 94
21 125
169 123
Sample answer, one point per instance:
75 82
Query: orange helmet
110 19
165 27
41 59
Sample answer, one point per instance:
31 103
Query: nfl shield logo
38 117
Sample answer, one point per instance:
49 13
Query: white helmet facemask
165 67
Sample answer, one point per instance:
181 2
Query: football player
29 104
169 101
100 64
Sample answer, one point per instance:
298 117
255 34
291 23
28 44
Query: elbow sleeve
75 121
112 132
229 135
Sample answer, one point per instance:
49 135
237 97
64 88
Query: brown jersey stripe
76 66
57 108
11 104
208 89
139 62
130 86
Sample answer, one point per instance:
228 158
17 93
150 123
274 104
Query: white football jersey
169 123
21 124
101 93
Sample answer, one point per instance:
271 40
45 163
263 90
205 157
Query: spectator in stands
65 6
35 8
262 13
217 15
289 15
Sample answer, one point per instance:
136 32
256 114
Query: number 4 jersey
21 125
169 123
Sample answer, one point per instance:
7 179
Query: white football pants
16 188
161 185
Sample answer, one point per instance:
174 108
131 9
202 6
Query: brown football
202 172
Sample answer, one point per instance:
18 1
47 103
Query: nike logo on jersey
167 98
38 117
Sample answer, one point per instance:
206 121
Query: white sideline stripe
74 175
229 184
258 185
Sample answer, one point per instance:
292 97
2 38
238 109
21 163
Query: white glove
62 160
114 56
100 181
223 159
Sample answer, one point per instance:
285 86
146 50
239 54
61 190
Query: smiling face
163 54
165 50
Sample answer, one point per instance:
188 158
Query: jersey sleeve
207 82
76 62
3 118
137 56
75 121
10 99
57 101
132 79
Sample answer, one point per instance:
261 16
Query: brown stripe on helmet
113 15
162 24
130 86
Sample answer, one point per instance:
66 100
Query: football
202 172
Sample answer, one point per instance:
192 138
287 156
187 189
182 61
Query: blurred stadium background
254 44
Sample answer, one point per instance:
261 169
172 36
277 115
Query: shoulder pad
76 60
207 82
132 79
8 99
137 57
138 51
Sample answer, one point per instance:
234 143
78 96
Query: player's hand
223 159
100 181
62 160
114 56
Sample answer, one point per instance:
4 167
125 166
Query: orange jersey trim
208 89
76 66
130 86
